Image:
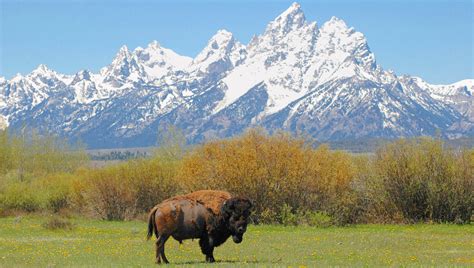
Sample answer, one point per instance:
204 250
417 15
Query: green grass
25 242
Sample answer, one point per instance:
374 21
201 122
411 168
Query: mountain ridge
294 76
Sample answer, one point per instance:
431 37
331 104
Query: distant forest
122 154
352 146
372 144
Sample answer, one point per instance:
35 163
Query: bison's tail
152 224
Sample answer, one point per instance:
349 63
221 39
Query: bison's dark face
237 211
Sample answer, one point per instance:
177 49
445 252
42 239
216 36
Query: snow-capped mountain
295 76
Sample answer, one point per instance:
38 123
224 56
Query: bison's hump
211 199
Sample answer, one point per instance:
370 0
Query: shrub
19 195
315 218
421 180
287 217
26 162
267 216
58 190
289 181
274 171
56 223
53 192
128 189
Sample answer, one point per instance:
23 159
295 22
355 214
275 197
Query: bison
210 216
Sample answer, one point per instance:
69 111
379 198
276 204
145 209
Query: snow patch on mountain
463 87
159 61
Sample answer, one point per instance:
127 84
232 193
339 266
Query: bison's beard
237 238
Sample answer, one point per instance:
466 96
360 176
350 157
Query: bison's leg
207 249
157 245
160 249
162 252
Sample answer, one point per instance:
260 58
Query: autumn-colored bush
273 171
126 190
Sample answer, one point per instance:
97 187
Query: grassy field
25 242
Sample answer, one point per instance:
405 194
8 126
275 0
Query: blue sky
430 39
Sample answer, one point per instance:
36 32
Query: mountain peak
122 68
221 39
123 49
154 45
123 52
335 19
290 19
295 5
339 42
81 75
17 78
42 69
335 24
221 44
223 32
221 54
292 11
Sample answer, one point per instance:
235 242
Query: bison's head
237 211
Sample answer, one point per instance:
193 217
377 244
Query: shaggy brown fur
211 216
211 199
